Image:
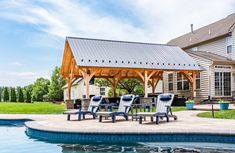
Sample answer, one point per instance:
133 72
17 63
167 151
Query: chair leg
167 118
79 117
68 117
83 116
113 118
140 119
100 118
157 119
151 119
94 116
175 117
126 117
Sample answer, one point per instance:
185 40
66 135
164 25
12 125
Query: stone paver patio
187 122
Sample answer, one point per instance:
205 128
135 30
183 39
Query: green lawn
223 114
41 108
31 108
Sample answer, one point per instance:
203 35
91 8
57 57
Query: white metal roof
109 53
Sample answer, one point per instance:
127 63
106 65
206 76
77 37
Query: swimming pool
13 139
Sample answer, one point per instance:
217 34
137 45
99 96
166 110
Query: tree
20 94
40 88
5 94
56 85
130 85
27 96
13 95
102 82
28 92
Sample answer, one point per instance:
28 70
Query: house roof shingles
122 54
211 56
206 33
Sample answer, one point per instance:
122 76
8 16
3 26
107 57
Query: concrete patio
187 122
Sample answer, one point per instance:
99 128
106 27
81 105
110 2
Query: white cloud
162 19
17 63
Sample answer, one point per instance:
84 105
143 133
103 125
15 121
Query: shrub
13 95
5 94
20 95
27 96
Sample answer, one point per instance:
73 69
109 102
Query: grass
31 108
222 114
178 108
42 108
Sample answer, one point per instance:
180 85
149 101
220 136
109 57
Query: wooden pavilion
116 60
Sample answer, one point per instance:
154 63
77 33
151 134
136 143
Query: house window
179 81
185 84
198 81
194 49
182 82
102 91
222 83
229 45
170 81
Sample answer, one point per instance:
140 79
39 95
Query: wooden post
87 75
154 84
114 83
145 79
87 85
145 83
193 85
69 90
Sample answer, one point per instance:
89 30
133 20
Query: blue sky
32 32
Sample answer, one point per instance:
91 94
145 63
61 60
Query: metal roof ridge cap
121 41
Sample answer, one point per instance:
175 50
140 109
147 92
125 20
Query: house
212 46
78 92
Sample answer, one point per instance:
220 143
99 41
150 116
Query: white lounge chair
92 109
123 109
163 109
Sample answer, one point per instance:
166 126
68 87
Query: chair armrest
126 107
93 107
169 110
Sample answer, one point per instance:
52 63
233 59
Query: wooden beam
194 85
140 74
145 83
87 77
69 89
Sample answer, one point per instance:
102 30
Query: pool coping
64 136
34 125
56 128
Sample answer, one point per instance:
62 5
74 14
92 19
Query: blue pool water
14 140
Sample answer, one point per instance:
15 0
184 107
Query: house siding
204 90
77 91
205 81
233 44
217 47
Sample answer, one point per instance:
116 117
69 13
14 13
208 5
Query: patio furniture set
126 108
